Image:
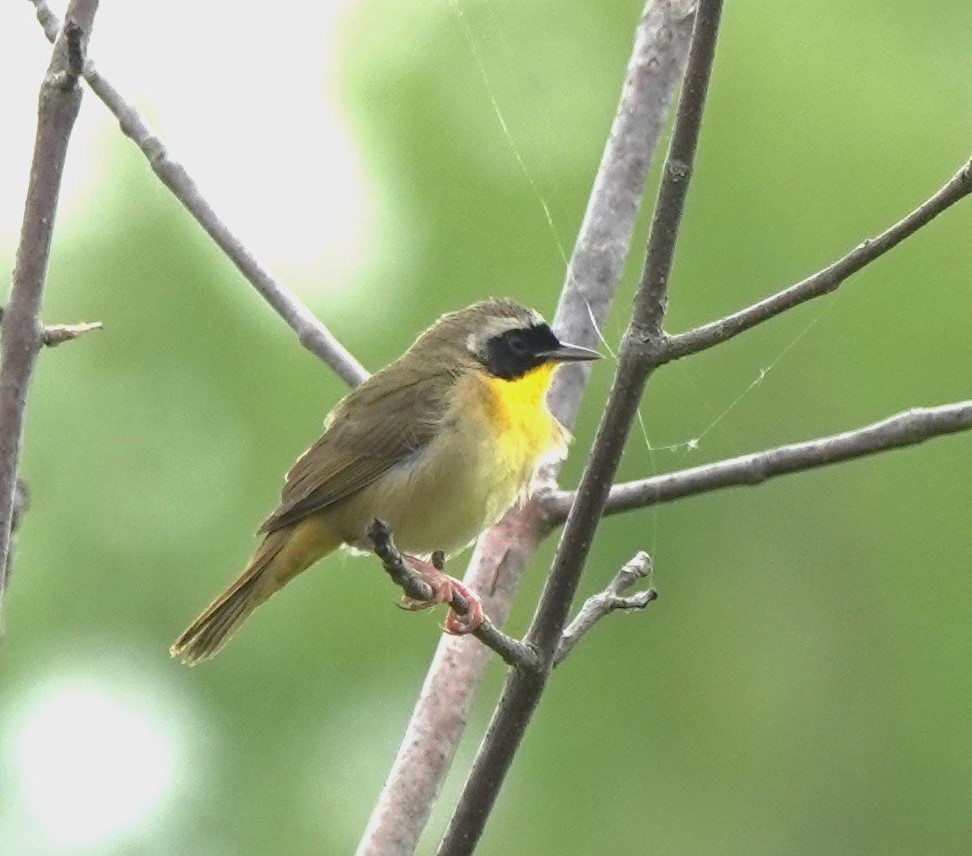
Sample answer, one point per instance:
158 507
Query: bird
438 445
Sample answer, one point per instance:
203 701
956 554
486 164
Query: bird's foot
444 588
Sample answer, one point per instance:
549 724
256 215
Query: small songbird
438 445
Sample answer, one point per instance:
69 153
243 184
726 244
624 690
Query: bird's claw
443 589
459 625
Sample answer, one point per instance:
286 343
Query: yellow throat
517 410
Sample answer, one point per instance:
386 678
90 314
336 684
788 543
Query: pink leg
443 587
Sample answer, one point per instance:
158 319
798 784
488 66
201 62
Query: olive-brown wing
380 424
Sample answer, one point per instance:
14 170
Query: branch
22 334
502 554
607 601
903 429
604 241
824 281
311 333
523 689
513 652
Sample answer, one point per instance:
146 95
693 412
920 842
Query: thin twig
607 601
822 282
903 429
502 554
311 333
523 689
58 334
513 652
22 333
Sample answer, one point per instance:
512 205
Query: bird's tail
283 554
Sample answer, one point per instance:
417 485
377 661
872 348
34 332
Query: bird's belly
447 493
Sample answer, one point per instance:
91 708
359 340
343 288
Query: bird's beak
565 353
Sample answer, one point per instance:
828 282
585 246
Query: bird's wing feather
375 427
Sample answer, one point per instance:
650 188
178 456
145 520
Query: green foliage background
803 684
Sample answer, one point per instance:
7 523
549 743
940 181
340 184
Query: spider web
719 414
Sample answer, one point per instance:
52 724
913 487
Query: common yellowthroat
438 445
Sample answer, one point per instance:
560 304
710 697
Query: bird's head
503 338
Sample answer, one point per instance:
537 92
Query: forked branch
823 282
607 601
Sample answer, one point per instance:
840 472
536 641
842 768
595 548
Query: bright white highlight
246 102
90 768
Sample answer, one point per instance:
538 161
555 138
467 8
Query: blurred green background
802 686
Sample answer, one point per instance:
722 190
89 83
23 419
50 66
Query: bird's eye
518 343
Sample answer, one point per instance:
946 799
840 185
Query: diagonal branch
607 601
524 688
22 334
513 652
903 429
502 554
824 281
311 333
